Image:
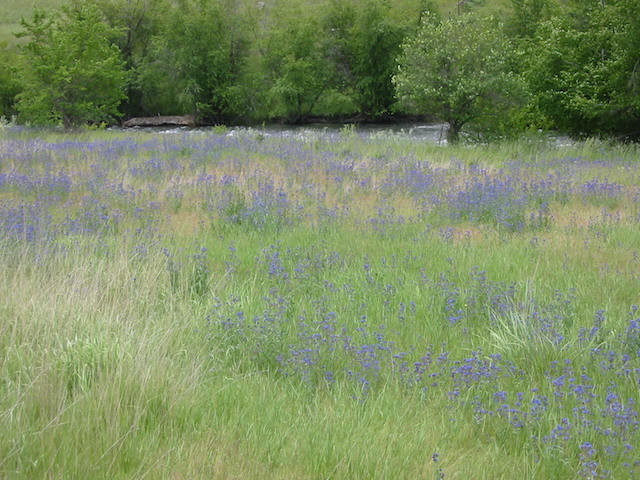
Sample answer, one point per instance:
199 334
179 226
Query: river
435 133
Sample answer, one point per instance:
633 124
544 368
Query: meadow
233 304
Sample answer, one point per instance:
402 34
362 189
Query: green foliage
380 47
74 75
459 71
337 63
135 23
526 16
584 68
194 61
298 67
373 45
12 11
9 85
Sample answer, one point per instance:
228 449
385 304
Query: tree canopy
73 73
459 70
585 68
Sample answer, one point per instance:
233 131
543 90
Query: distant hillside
11 11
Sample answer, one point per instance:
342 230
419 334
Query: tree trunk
453 133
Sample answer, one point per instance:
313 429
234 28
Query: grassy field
239 305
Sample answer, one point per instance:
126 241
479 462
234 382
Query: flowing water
435 133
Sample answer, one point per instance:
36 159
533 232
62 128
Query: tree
458 70
299 67
73 75
584 68
373 46
527 15
135 22
195 61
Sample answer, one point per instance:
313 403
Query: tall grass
241 305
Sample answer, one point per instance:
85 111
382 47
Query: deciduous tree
458 70
584 68
73 73
195 61
299 68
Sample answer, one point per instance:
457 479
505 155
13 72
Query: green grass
115 361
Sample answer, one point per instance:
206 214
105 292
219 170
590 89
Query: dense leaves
585 73
135 23
74 74
364 47
300 72
194 61
9 84
457 69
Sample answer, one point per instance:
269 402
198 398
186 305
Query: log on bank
162 121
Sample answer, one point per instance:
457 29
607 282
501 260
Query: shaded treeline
576 65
